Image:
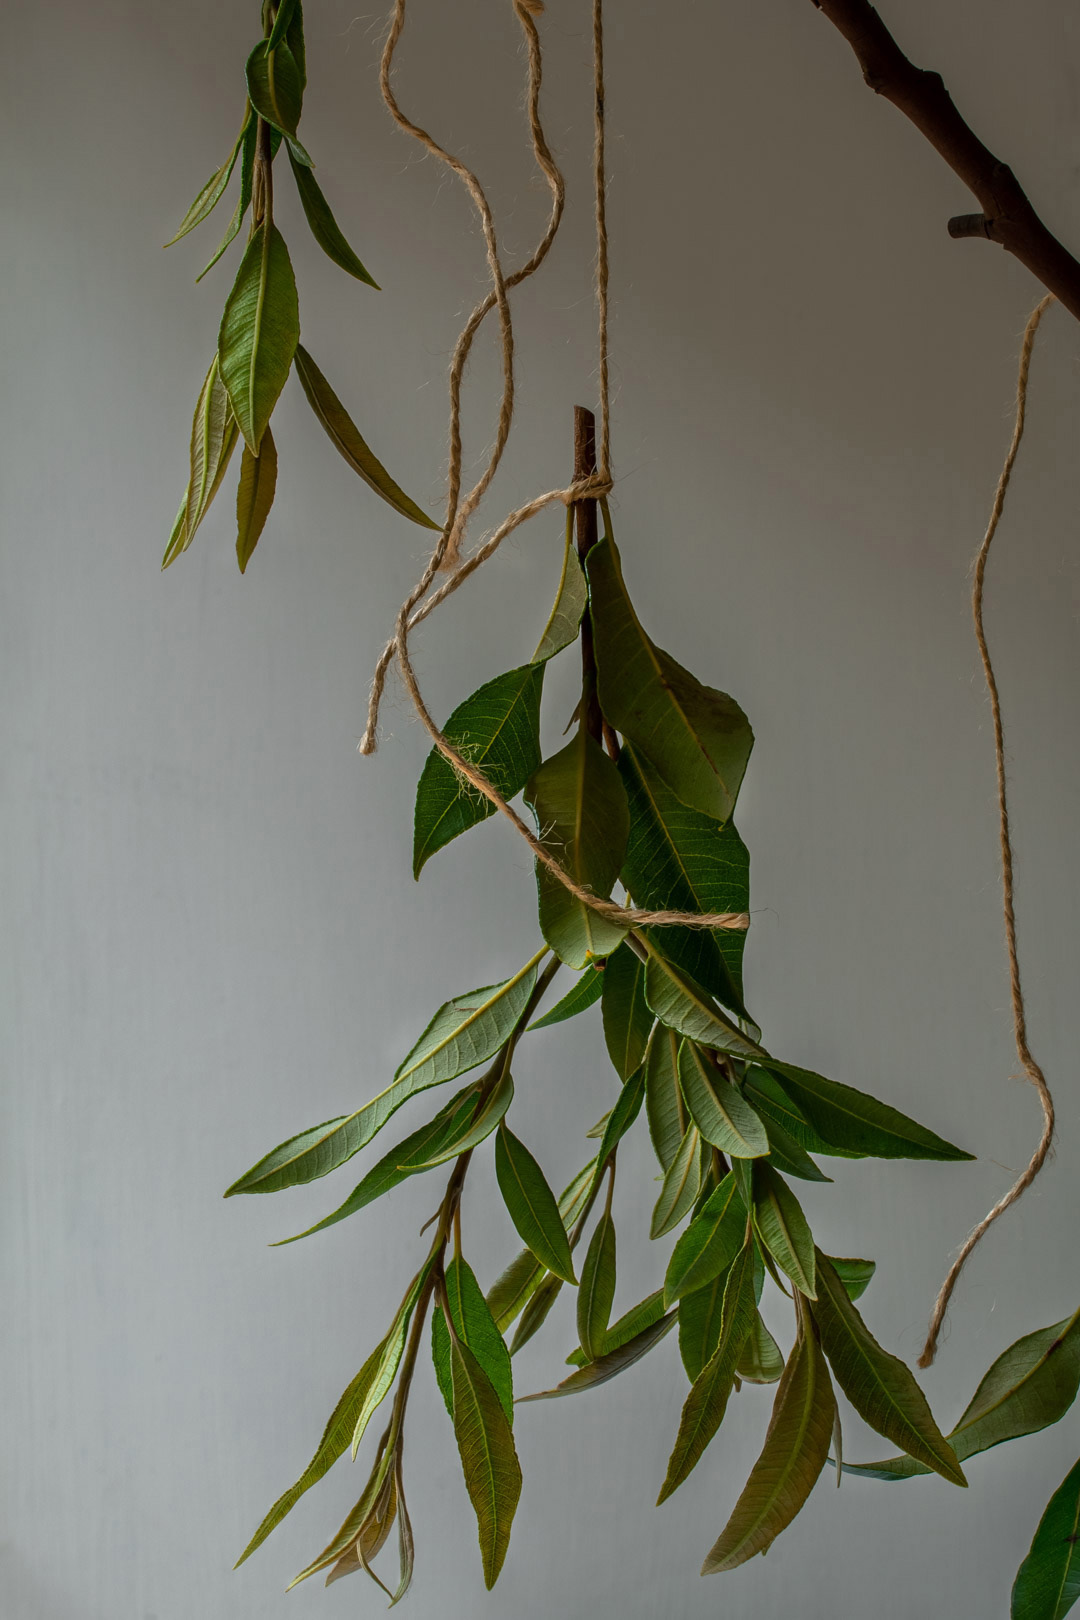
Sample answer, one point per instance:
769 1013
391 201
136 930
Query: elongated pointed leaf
247 175
211 194
570 598
476 1130
852 1120
531 1205
373 1537
608 1365
1048 1581
664 1101
498 730
680 860
416 1153
389 1359
596 1291
259 332
255 496
718 1109
619 1121
769 1099
634 1321
879 1386
334 1443
463 1033
627 1019
488 1456
786 1154
761 1361
1030 1386
275 85
355 1522
294 38
682 1183
709 1244
782 1227
697 739
854 1274
681 1004
787 1470
347 439
537 1310
324 227
586 989
703 1411
474 1326
178 540
213 438
511 1292
281 23
581 816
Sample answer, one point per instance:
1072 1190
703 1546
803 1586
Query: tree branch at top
1007 217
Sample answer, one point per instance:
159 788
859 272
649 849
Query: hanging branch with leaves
643 796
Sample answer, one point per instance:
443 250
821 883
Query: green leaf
498 730
596 1293
281 23
762 1360
681 1004
610 1364
1030 1386
796 1446
699 1324
851 1120
213 438
389 1359
627 1019
718 1109
294 38
570 598
357 1522
588 987
634 1321
620 1119
474 1326
346 438
511 1291
537 1310
463 1033
682 1183
581 817
334 1443
373 1536
211 194
255 496
878 1385
488 1456
324 227
707 1401
680 860
1048 1581
697 739
247 175
786 1154
665 1105
531 1205
416 1153
709 1244
854 1274
782 1227
477 1129
259 332
275 85
768 1098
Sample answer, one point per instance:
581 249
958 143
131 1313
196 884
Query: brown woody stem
585 519
1007 217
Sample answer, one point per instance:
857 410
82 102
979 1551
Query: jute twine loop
1030 1067
447 550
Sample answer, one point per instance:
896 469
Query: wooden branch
1007 215
585 521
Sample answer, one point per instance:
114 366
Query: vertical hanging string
1030 1067
600 188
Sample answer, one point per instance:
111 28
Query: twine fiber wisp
1023 1051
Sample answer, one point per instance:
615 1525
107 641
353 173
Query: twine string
1027 1062
447 549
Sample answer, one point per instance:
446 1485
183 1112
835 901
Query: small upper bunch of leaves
643 793
259 337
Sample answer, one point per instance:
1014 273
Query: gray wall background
211 937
